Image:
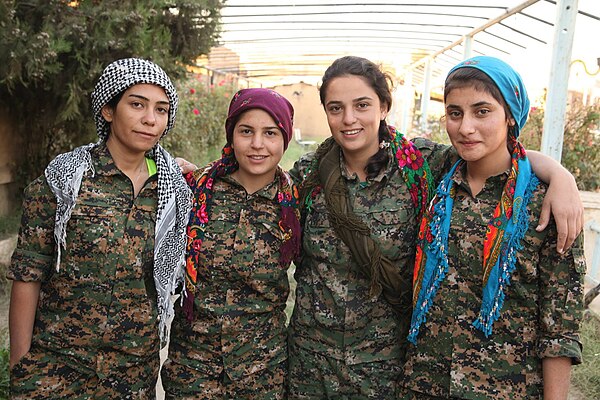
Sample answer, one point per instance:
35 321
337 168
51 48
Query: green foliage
4 373
9 224
53 51
586 377
199 132
581 145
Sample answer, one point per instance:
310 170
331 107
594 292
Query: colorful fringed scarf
505 230
201 183
413 167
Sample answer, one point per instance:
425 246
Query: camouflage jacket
241 291
334 314
99 310
540 316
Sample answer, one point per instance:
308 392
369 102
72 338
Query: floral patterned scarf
201 182
505 229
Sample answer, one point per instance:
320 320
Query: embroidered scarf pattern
413 167
504 233
201 182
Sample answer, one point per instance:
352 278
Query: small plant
200 123
581 144
586 377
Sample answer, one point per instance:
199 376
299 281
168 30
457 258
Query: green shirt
99 309
241 290
540 316
334 314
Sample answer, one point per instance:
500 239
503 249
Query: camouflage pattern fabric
268 384
540 317
334 317
238 339
96 321
317 377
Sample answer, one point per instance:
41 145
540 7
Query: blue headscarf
505 229
508 81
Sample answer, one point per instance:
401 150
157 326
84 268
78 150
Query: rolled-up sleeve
34 256
561 302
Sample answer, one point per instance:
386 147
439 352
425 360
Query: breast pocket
90 235
320 240
393 230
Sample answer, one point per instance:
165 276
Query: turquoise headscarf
508 81
505 229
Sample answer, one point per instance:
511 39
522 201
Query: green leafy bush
53 51
199 131
581 144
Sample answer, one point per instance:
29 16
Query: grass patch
586 377
294 151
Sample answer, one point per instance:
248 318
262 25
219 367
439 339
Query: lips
351 132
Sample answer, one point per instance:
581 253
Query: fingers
562 227
185 165
544 215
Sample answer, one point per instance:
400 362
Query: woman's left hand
185 165
563 201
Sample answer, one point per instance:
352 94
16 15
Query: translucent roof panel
281 41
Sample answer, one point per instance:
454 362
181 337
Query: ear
511 122
107 113
384 111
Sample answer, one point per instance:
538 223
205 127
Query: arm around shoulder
562 199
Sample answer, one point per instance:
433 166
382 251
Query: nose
149 117
257 141
349 118
467 125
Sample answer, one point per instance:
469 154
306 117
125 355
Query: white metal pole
426 95
408 101
468 49
556 102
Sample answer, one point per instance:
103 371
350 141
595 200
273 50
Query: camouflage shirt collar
460 178
269 191
383 173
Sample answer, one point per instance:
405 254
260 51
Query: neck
356 164
129 163
253 183
479 171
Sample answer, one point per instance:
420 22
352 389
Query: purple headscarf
268 100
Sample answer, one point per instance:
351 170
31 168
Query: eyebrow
478 104
251 127
138 96
363 98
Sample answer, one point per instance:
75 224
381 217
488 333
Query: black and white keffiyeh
65 173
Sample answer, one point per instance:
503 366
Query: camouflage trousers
315 376
407 394
41 375
182 382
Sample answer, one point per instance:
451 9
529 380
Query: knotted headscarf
202 181
505 229
64 175
277 106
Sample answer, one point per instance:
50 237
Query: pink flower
192 91
408 157
196 111
209 183
202 214
197 244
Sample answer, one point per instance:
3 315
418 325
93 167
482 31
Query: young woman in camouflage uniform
102 236
228 338
362 194
496 309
